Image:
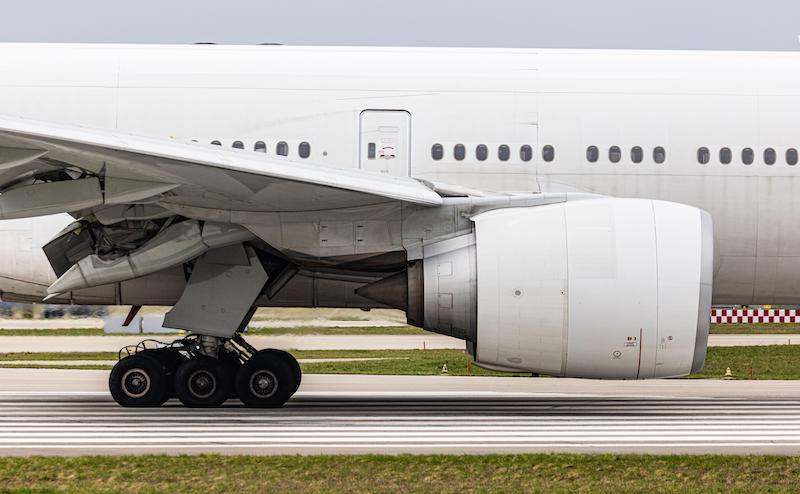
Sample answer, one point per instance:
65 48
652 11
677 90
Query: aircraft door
385 142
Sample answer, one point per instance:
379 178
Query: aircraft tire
138 381
265 381
289 359
203 382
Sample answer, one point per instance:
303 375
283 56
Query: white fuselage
332 103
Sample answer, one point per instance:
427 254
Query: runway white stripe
73 424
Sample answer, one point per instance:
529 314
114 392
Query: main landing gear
203 371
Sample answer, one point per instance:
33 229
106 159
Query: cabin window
614 154
371 151
748 156
481 152
526 153
637 155
437 152
260 147
725 156
503 152
459 152
282 149
659 154
791 156
592 154
703 156
238 144
304 149
548 153
769 156
216 143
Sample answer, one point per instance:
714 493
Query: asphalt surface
314 342
68 412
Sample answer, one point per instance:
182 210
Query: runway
413 414
455 423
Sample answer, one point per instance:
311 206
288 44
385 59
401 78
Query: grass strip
53 332
766 328
58 356
403 362
738 328
328 331
302 330
768 362
761 328
546 473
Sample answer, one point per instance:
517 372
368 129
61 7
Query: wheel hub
136 383
263 384
202 383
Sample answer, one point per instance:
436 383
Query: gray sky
673 24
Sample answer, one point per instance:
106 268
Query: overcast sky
671 24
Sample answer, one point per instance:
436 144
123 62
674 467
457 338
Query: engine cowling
601 288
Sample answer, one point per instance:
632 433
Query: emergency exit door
385 142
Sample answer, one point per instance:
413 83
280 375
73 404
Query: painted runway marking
85 423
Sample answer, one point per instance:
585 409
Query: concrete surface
68 412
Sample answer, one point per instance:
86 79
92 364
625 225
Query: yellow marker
728 374
444 370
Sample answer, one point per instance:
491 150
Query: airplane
571 213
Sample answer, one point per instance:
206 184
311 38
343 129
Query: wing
47 168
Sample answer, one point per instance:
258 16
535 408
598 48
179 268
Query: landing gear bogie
204 372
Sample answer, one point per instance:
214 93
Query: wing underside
47 168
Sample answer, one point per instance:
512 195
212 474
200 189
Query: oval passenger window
481 152
659 155
437 152
748 156
304 150
614 154
526 153
459 152
637 155
725 156
592 154
548 153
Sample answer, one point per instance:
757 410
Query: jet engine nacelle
601 288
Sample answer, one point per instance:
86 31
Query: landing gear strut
203 371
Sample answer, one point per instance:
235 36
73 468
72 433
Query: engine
600 288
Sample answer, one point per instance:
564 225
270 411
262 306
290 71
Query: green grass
403 362
768 362
765 328
4 357
546 473
303 330
53 332
311 330
56 366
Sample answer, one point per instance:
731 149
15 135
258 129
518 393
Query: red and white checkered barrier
727 316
